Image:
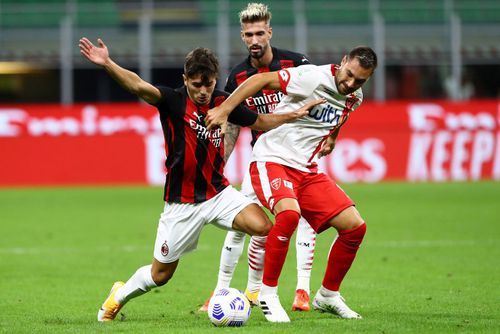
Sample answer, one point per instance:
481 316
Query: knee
356 222
263 229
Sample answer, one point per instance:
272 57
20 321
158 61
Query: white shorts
247 188
180 224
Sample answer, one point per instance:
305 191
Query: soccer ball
228 307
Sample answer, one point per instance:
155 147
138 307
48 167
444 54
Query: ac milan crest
164 249
276 183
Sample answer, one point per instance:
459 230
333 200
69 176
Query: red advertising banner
122 143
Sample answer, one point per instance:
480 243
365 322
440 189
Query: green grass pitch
430 263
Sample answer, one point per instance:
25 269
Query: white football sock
303 280
268 290
256 252
328 293
140 283
305 242
230 254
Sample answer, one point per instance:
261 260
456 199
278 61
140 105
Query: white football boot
272 309
335 305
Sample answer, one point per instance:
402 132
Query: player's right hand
216 117
97 55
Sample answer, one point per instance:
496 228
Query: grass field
430 263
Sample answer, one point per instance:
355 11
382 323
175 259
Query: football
228 307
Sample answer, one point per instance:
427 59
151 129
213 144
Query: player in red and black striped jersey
196 191
195 156
256 33
265 101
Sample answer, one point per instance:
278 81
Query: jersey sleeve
302 60
299 81
242 116
166 95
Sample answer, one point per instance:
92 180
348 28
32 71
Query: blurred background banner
428 49
122 143
431 110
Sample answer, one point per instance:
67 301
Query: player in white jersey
285 177
256 33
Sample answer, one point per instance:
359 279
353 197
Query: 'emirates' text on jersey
296 144
266 100
195 163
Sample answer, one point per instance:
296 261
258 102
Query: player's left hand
327 147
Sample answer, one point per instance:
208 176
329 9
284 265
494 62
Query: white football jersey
297 144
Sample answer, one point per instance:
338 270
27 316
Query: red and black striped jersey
194 155
266 100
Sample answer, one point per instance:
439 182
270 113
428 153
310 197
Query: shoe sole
300 308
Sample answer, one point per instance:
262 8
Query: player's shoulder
242 67
308 69
297 58
169 93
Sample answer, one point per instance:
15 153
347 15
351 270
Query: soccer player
196 191
256 33
284 170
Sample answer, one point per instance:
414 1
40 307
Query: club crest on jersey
276 183
350 101
164 249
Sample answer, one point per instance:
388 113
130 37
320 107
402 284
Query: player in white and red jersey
285 177
256 33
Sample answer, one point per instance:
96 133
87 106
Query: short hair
366 56
255 12
201 61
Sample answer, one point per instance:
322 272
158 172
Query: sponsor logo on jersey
164 248
266 103
327 114
288 184
198 125
276 183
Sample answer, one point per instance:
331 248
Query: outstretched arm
218 115
127 79
267 122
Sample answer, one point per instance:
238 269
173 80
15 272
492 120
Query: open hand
97 55
304 111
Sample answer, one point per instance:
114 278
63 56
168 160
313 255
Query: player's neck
263 61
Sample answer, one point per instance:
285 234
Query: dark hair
201 61
366 56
